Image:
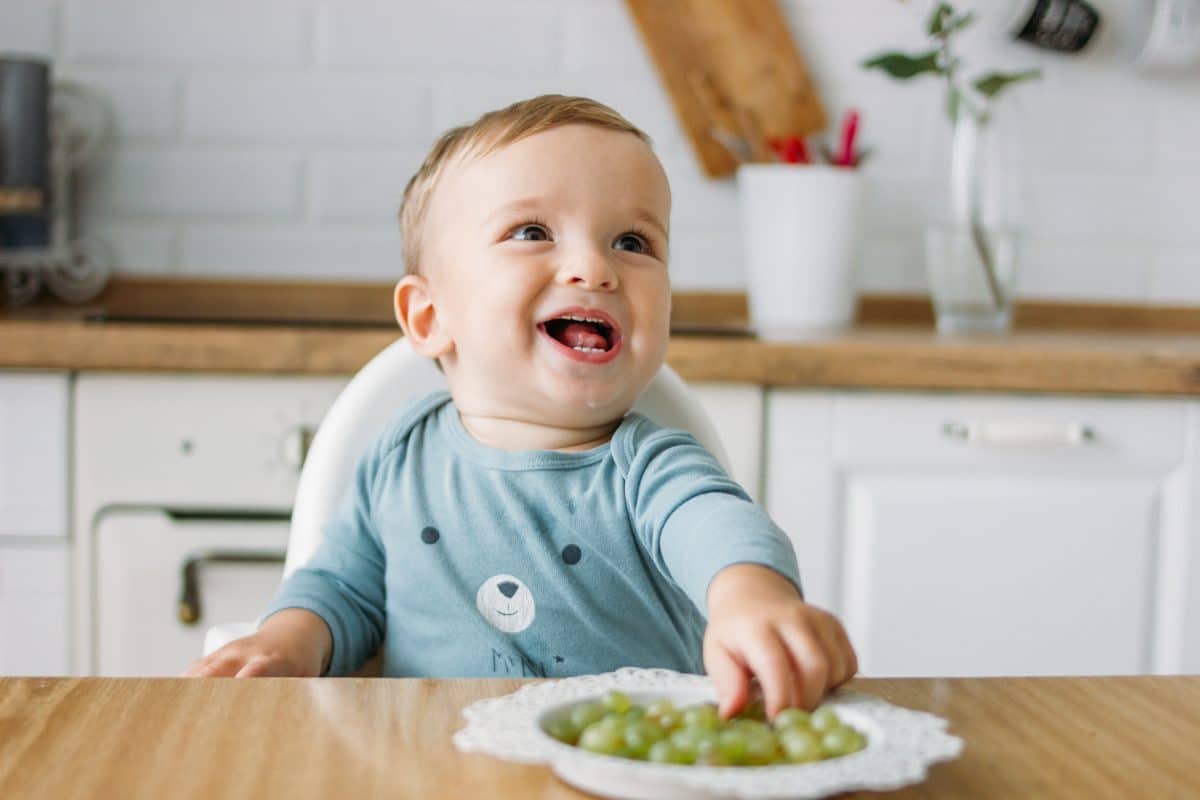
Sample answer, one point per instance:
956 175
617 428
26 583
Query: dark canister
1066 25
25 151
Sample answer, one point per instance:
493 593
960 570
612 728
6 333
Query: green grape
823 719
756 709
792 718
669 720
613 719
664 752
708 748
800 745
599 738
751 727
563 729
732 743
760 745
636 713
640 736
702 715
838 742
660 708
585 714
686 740
616 701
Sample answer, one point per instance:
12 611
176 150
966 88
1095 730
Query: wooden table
359 738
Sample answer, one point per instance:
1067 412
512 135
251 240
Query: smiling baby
525 522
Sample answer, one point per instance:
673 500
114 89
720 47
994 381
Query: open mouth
583 334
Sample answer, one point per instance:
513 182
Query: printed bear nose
507 588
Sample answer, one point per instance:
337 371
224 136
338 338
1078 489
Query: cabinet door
1002 535
146 623
33 609
950 574
736 411
33 454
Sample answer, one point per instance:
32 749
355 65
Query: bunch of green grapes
695 734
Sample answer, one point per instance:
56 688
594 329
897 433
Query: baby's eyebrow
642 215
524 204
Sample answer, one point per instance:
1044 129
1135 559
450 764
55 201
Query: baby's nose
507 588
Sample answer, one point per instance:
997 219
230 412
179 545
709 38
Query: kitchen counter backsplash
276 140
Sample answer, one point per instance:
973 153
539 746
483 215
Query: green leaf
993 83
903 66
958 23
937 19
943 21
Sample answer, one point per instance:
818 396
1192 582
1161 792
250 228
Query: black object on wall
25 146
1066 25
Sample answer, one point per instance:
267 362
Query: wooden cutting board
730 64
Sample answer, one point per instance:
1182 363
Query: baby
525 523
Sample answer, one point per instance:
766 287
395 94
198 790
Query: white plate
901 744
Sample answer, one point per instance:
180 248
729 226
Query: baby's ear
418 317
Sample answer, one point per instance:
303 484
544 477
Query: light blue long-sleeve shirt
464 560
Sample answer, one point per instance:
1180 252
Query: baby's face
548 269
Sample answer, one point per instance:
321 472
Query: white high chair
396 375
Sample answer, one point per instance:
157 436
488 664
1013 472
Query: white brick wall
273 138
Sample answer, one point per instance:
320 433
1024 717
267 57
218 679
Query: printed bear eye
571 554
430 535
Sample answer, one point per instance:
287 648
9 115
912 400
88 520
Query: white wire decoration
901 744
75 269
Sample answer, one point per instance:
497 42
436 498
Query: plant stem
974 212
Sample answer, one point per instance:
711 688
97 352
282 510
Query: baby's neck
514 434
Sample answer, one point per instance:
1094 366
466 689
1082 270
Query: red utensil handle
849 132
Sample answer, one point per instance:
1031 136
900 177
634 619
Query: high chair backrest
398 374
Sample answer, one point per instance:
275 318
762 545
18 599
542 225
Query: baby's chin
575 399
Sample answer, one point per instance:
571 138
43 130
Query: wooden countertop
306 329
362 737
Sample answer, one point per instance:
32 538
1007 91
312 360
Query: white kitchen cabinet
988 535
151 620
172 470
34 555
34 603
736 411
33 453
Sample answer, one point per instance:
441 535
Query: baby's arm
293 643
703 531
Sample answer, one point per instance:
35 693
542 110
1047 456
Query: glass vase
974 237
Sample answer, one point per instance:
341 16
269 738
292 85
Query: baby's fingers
812 664
768 658
263 667
213 666
729 676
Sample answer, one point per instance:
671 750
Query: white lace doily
901 744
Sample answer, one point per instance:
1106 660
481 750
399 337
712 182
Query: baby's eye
530 233
632 242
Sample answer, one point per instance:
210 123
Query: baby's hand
293 643
758 625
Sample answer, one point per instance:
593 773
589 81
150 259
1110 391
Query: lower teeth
588 349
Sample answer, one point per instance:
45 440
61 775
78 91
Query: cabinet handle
1017 433
189 595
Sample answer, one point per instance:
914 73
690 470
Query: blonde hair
490 132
